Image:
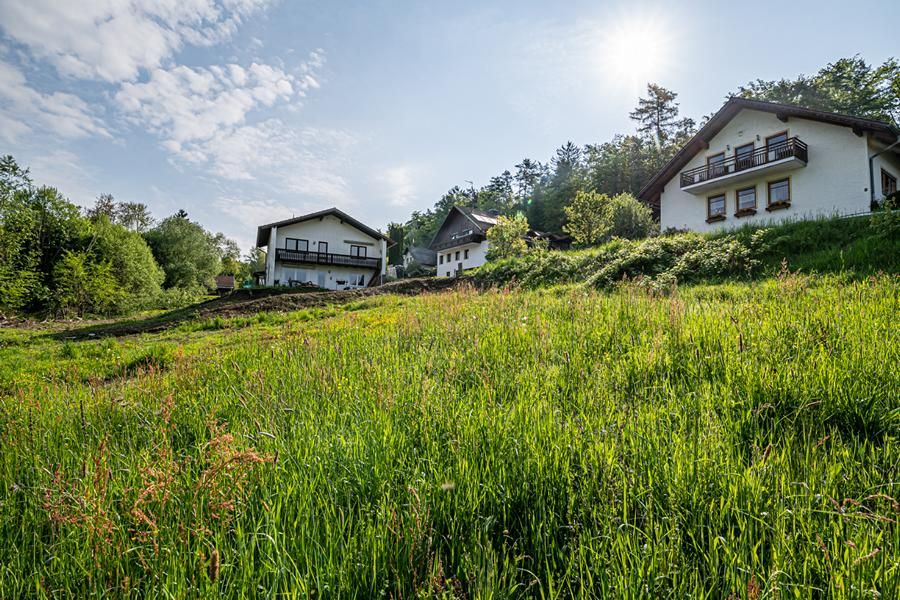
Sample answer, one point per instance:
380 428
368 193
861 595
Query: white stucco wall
477 257
834 181
888 161
339 237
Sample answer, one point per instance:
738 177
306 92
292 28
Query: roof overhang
263 232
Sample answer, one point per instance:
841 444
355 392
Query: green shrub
862 246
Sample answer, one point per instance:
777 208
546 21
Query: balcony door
777 146
715 166
743 157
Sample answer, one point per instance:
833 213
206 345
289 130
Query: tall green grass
725 440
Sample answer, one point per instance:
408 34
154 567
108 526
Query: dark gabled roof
482 220
650 192
262 233
422 255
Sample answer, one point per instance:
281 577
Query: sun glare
636 52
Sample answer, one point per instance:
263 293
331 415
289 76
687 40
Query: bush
84 287
863 245
507 237
595 218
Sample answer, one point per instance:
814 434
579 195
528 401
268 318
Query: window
715 208
448 273
744 156
296 245
457 255
323 247
714 164
449 257
777 146
466 254
441 259
359 251
746 200
888 183
780 193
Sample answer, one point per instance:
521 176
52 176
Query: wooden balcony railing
790 148
472 238
327 258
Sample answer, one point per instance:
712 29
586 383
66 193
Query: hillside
851 246
730 439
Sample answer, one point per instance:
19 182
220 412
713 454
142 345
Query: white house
757 161
461 242
328 248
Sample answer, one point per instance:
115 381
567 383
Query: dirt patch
243 302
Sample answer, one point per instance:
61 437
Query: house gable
460 224
698 145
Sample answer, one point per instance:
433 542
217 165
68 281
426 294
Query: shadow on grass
173 318
242 302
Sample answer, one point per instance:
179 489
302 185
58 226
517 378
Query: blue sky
248 111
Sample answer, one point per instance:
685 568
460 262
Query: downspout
872 169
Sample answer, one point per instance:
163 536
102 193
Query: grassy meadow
720 441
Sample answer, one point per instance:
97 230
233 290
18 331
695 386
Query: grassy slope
514 444
853 247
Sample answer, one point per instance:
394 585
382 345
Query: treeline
110 259
541 191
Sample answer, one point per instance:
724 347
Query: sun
636 51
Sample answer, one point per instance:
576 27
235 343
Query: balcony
460 240
326 258
771 159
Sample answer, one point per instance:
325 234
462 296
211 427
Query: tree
595 218
105 206
588 224
507 237
848 86
187 253
657 114
132 262
396 232
528 176
82 286
134 215
546 212
256 260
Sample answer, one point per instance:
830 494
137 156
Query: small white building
328 248
461 242
756 162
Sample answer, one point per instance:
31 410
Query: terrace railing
327 258
790 148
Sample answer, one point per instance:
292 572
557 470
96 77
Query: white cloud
399 185
203 117
113 40
188 106
24 109
309 162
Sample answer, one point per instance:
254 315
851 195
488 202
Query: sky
243 112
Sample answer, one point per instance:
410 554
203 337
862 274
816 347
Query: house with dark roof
755 162
329 249
426 257
461 242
